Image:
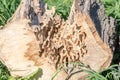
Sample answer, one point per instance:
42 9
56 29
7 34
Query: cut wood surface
35 38
106 26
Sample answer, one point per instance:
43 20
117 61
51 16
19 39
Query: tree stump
105 25
35 38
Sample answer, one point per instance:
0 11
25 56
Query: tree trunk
105 25
35 38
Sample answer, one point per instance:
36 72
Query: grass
112 8
5 74
62 7
111 73
7 8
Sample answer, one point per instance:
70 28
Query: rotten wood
35 38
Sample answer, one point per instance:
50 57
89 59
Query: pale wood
106 26
35 38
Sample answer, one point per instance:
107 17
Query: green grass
7 8
62 7
111 73
5 74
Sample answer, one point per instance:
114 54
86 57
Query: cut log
35 38
105 25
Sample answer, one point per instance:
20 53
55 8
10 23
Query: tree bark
42 40
105 25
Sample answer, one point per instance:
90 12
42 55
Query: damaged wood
36 38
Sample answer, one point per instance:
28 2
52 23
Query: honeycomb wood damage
62 42
46 41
